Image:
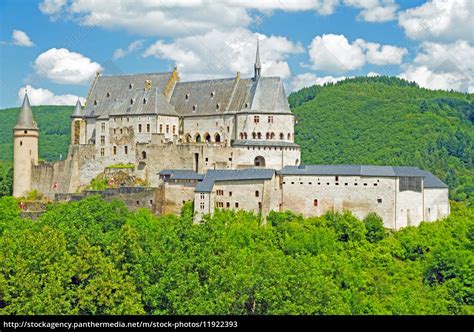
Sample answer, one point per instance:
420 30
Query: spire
258 65
77 110
25 118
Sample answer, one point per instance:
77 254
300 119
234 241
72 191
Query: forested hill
54 124
389 121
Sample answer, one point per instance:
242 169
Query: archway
143 154
217 137
259 161
198 138
207 137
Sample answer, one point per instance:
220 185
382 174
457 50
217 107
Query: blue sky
54 47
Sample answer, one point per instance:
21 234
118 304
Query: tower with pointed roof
257 66
25 149
78 125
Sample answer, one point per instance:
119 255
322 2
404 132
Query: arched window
207 137
259 161
254 135
289 136
245 135
198 138
272 135
188 138
143 154
267 136
241 135
259 135
282 136
217 137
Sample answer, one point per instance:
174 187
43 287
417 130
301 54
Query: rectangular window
379 200
102 152
161 128
270 119
115 150
174 129
236 205
125 149
230 193
315 202
257 194
102 140
202 195
219 192
167 129
201 205
102 127
139 128
256 119
148 128
227 205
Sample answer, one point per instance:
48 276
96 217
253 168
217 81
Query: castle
223 143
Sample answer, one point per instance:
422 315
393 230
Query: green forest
95 257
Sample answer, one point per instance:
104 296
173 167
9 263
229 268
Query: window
125 149
236 205
102 152
379 200
102 127
218 107
121 131
143 154
315 202
167 129
144 100
174 129
289 136
365 184
259 205
220 204
337 178
230 193
259 135
114 149
161 128
256 119
194 108
21 143
282 136
139 128
102 140
245 135
375 184
227 205
270 119
186 97
95 102
201 205
213 94
130 86
219 192
202 195
115 130
246 105
254 135
131 101
108 94
410 183
257 193
148 127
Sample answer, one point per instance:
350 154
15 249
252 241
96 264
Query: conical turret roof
77 110
25 118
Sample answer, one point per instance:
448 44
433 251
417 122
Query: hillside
389 121
54 124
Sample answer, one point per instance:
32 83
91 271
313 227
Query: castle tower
78 125
257 66
25 149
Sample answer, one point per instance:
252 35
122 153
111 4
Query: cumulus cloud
51 7
439 20
39 96
334 53
120 53
443 66
65 67
309 79
216 54
20 38
375 10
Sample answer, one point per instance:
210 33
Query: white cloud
173 18
372 74
65 67
216 54
20 38
120 53
443 66
41 96
309 79
334 53
51 7
375 10
439 20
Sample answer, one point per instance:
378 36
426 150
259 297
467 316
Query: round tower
25 149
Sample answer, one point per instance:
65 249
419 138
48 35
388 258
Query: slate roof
430 181
264 143
213 176
25 118
181 174
77 110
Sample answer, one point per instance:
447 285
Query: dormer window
213 94
246 105
108 94
130 86
218 107
194 108
186 97
131 101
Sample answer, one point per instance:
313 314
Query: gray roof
430 181
213 176
270 96
112 94
264 143
77 110
25 118
181 174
